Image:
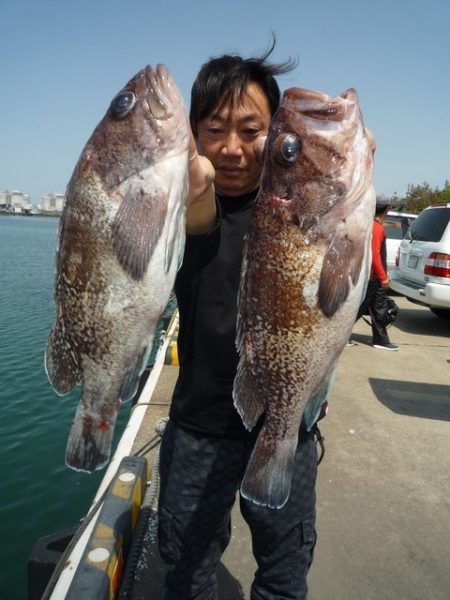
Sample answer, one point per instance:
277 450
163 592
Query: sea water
39 495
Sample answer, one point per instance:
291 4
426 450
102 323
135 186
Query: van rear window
430 225
396 226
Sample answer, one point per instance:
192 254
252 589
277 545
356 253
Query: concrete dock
383 487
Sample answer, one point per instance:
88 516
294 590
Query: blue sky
62 62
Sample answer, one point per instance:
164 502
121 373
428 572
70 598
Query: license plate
412 261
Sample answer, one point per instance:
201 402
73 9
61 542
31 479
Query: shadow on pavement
361 338
421 322
424 400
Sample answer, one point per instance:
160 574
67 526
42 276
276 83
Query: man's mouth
230 169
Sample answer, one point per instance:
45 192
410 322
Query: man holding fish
299 227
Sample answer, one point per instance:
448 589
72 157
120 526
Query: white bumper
430 294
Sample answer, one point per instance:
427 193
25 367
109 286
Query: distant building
19 203
15 201
52 202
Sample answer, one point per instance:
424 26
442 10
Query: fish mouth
161 92
319 106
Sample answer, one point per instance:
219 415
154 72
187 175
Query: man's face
227 138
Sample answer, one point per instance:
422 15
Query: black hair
223 80
381 204
380 208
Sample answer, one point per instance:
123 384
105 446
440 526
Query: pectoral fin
136 230
342 264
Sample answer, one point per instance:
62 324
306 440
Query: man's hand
385 284
201 203
201 172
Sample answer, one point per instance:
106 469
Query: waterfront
39 495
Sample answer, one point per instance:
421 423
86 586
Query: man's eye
251 131
214 130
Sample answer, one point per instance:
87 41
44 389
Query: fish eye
123 104
289 146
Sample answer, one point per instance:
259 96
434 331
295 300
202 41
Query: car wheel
443 313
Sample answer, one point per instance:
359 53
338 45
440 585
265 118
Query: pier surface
383 506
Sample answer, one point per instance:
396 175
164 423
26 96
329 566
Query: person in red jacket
375 301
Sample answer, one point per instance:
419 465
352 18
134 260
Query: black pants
374 304
199 480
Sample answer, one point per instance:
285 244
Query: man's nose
233 144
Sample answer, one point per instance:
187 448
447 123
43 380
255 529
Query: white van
423 269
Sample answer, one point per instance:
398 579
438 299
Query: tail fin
89 443
268 477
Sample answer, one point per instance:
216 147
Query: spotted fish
120 243
305 268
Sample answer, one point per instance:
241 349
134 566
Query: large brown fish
304 273
121 241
